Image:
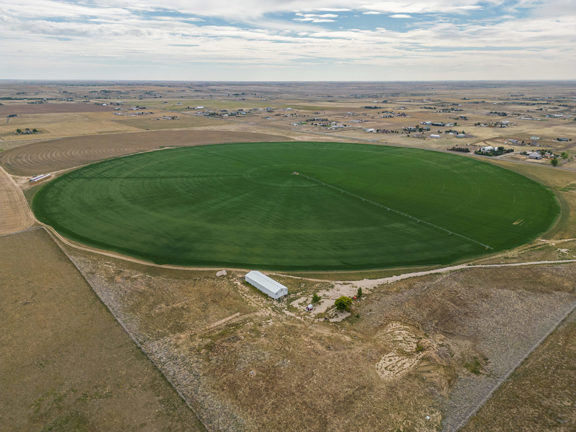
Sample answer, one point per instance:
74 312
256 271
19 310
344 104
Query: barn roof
269 283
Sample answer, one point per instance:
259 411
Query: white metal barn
265 284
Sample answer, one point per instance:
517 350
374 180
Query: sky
288 40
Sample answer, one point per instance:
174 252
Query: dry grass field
53 126
249 363
65 363
156 122
540 394
50 156
51 108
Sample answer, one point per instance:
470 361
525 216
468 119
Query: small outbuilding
265 284
534 155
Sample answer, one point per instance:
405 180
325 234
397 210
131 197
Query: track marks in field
49 156
390 209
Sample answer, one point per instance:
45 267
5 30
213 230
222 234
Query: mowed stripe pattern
297 205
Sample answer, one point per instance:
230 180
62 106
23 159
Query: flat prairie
65 363
249 363
52 108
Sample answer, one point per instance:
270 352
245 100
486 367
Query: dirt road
15 214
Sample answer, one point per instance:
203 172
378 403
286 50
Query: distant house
487 149
534 155
265 284
434 136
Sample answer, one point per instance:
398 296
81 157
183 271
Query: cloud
286 36
315 18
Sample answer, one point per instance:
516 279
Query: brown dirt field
51 108
50 156
540 395
280 370
65 363
15 214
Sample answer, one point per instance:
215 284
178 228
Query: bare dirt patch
15 214
65 363
66 153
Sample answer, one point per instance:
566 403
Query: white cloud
315 18
55 36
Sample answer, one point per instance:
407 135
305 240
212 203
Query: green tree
343 303
359 293
564 155
554 162
18 131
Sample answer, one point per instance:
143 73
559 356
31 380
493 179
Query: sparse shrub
359 293
343 303
419 347
316 298
474 366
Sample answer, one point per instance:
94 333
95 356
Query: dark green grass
353 206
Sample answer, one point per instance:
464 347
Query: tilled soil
65 153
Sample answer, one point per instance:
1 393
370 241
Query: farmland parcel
297 205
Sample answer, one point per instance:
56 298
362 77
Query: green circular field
297 205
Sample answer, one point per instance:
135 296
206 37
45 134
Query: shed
534 155
265 284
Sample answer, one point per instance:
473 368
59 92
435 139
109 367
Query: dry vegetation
52 108
540 394
415 355
65 363
248 363
50 156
